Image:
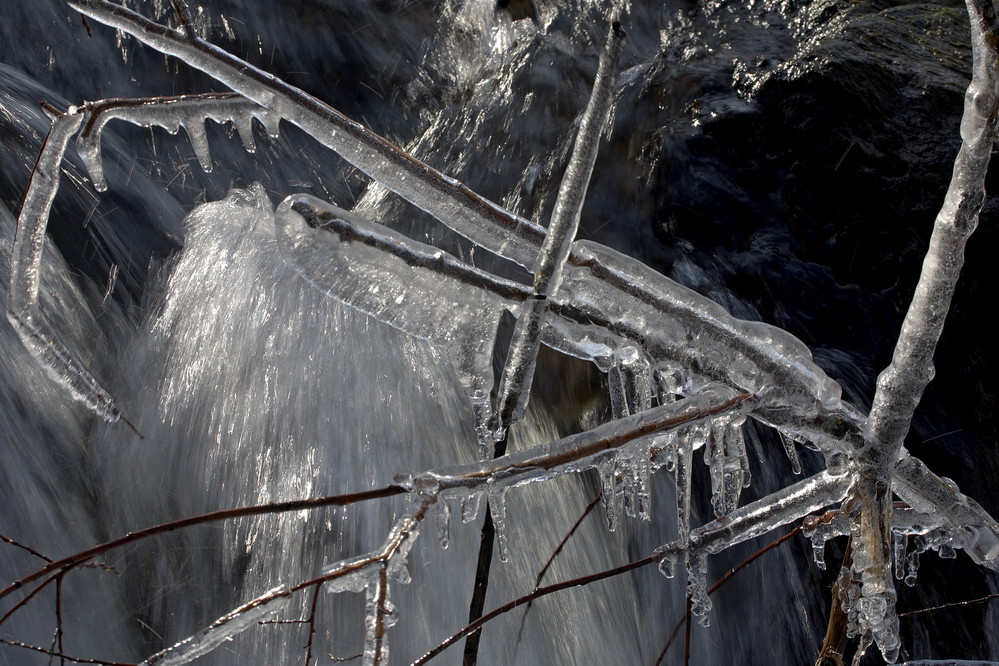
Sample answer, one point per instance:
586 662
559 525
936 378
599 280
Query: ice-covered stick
900 386
370 572
518 372
414 287
29 241
926 492
494 228
609 281
579 452
171 113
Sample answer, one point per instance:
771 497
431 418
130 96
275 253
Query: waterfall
251 386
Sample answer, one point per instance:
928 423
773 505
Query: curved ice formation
611 310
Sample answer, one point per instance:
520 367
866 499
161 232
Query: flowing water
251 386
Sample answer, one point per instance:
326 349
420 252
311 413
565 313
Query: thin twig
555 553
480 586
685 620
312 624
527 598
31 595
184 16
686 631
7 539
58 614
77 559
565 540
75 660
952 604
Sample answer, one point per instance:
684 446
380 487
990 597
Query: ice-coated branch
976 531
768 513
900 386
576 452
26 261
508 235
368 573
172 113
518 371
412 286
602 298
222 630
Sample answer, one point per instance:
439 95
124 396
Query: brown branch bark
61 656
83 556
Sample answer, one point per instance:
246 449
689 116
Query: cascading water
251 386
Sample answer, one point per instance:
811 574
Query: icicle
638 386
642 470
912 570
199 141
713 458
662 452
244 126
618 393
724 453
608 483
684 465
899 542
390 614
792 452
470 506
483 411
820 530
443 519
497 507
697 587
626 483
667 564
876 606
668 383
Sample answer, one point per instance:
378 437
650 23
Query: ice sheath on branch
901 385
518 372
608 307
29 240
